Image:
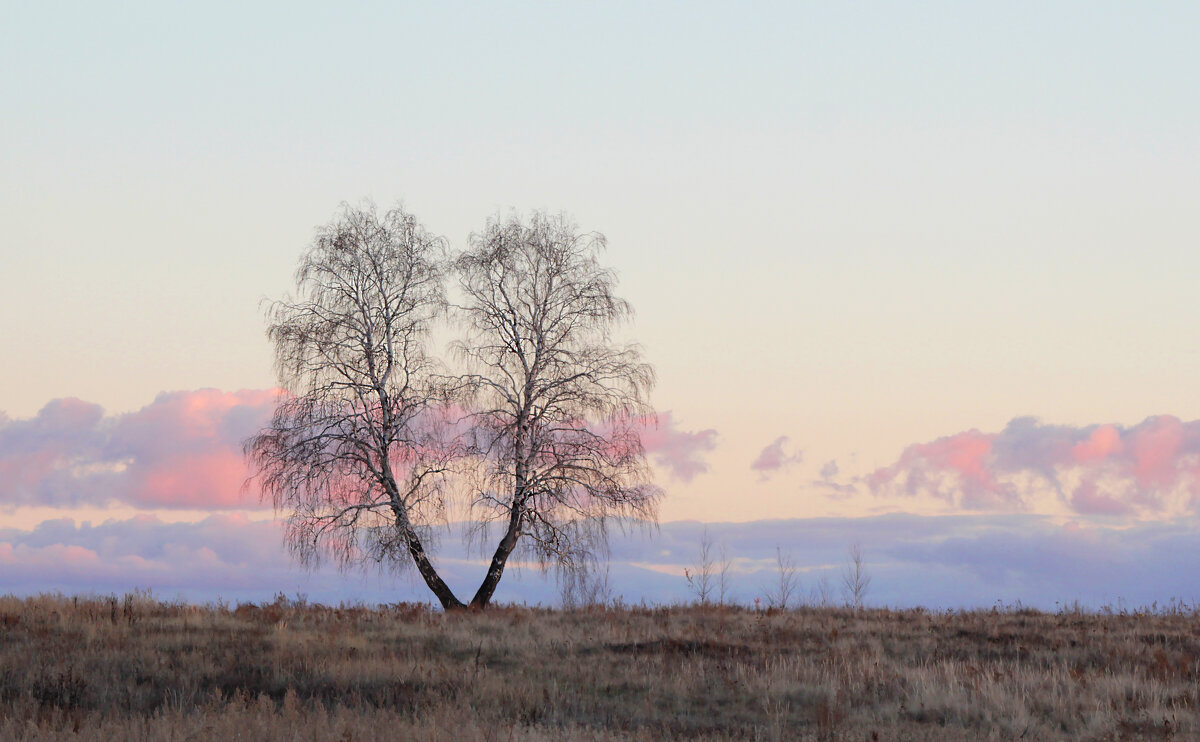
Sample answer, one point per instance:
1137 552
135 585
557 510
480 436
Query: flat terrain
136 669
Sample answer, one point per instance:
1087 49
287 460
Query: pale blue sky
859 225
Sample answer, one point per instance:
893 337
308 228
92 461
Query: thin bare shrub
787 585
822 592
724 576
702 576
855 578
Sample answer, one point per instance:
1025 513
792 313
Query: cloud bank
1151 469
940 562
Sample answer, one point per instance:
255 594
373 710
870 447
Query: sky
919 275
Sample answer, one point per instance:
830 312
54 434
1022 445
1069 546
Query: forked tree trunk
436 584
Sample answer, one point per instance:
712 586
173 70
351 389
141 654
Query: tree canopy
535 423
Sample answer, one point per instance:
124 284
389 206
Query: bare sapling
702 576
822 592
783 594
855 579
724 568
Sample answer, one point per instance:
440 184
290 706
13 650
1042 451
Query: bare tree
724 567
352 456
855 580
701 577
557 404
361 454
788 583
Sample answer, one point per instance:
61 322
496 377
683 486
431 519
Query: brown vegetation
139 669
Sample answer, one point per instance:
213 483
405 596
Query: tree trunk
483 596
439 587
435 582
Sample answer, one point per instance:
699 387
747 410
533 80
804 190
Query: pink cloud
966 454
1103 442
680 452
1155 446
1118 470
185 448
958 464
182 450
205 480
773 458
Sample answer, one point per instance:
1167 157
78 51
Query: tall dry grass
137 669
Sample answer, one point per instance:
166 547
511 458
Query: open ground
134 668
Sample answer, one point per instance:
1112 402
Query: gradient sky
925 258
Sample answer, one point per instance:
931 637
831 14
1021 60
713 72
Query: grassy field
138 669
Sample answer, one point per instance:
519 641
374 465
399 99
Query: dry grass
138 669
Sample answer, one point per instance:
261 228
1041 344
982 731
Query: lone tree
557 404
541 431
